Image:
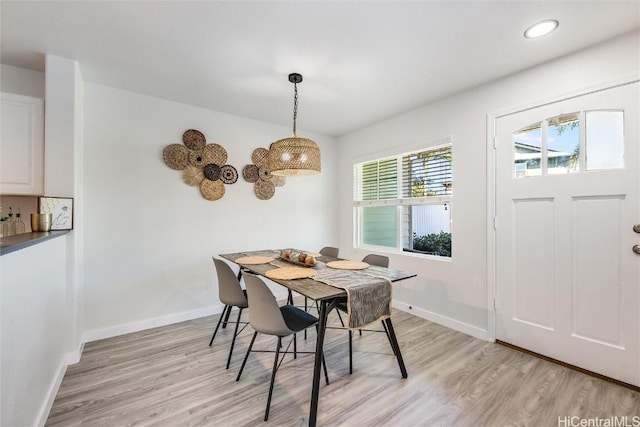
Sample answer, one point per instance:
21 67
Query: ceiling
362 61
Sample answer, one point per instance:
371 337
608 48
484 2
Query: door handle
636 228
636 249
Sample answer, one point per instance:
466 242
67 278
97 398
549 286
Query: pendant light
294 156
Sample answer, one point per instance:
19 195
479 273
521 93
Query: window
404 202
570 143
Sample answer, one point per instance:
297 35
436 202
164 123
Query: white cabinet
21 144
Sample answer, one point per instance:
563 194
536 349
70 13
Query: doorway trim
491 140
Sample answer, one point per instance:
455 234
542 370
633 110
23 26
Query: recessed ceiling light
541 29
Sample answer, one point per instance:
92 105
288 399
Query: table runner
368 297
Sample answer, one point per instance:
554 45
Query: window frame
399 202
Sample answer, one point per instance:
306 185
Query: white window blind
427 173
420 177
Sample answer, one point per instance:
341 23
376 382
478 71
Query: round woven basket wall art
258 174
203 165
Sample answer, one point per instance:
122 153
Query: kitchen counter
10 244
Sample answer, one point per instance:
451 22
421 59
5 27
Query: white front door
567 200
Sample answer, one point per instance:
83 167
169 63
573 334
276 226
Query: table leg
395 346
315 389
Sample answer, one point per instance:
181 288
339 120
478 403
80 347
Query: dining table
327 298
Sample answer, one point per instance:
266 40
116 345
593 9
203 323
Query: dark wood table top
311 288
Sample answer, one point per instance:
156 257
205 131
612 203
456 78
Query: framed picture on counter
61 210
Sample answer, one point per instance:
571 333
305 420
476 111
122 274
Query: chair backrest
329 251
266 316
229 289
378 260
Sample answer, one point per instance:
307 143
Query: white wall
32 314
455 292
149 238
41 285
22 81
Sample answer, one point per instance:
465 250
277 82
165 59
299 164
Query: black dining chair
270 319
231 295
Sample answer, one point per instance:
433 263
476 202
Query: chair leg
226 318
295 347
244 362
235 334
273 379
350 354
226 307
340 317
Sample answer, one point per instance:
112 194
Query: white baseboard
126 328
465 328
74 357
43 415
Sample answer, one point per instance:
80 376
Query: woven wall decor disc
196 158
250 173
260 157
214 153
176 156
348 265
194 139
278 181
264 173
212 190
253 260
211 172
264 189
290 273
192 175
228 174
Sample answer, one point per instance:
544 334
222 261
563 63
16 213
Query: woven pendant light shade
294 157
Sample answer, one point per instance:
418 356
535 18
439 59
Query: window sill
15 243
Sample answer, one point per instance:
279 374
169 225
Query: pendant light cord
295 107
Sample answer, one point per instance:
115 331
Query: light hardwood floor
169 376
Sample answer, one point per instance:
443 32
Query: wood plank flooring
169 376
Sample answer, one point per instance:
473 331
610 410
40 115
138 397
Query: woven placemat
253 260
348 265
290 273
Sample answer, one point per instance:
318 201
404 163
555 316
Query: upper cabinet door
21 145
